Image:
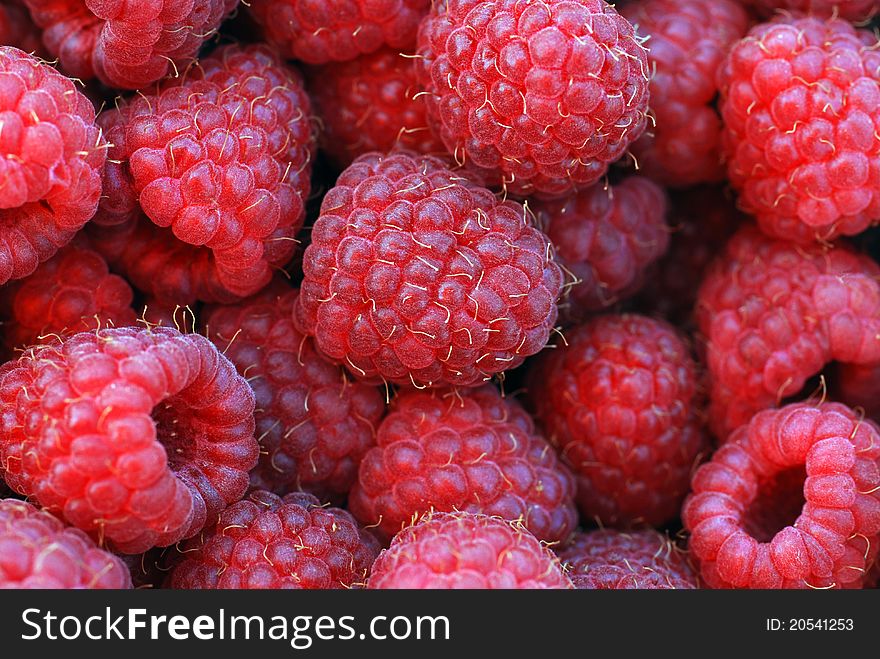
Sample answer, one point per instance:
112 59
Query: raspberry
314 424
544 95
620 403
320 31
38 551
851 10
791 501
415 275
613 560
371 103
466 551
688 42
71 292
265 541
470 451
127 45
605 237
17 29
223 158
800 98
137 436
774 313
51 157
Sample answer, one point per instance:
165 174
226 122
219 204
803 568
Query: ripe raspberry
38 551
371 103
265 541
320 31
620 403
127 45
605 237
51 157
471 451
466 551
415 275
774 313
138 436
544 95
791 501
800 98
314 425
850 10
71 292
17 29
223 158
688 42
613 560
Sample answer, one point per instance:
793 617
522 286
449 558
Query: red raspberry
415 275
470 451
51 157
851 10
800 98
466 551
269 542
605 237
620 403
543 95
127 45
71 292
17 29
614 560
314 425
791 501
223 158
371 103
688 42
138 436
38 551
320 31
774 313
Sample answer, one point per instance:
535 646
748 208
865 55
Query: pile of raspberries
451 294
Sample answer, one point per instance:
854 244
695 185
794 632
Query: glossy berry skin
774 313
139 437
313 423
51 157
222 157
38 551
687 43
266 541
321 31
800 99
540 96
466 551
470 451
605 237
856 11
627 560
127 45
417 276
620 402
791 501
371 103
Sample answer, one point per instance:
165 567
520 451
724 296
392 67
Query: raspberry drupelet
800 99
773 313
266 541
417 276
51 158
466 551
221 157
616 560
857 11
127 45
139 437
314 425
791 501
470 451
621 403
540 96
39 551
